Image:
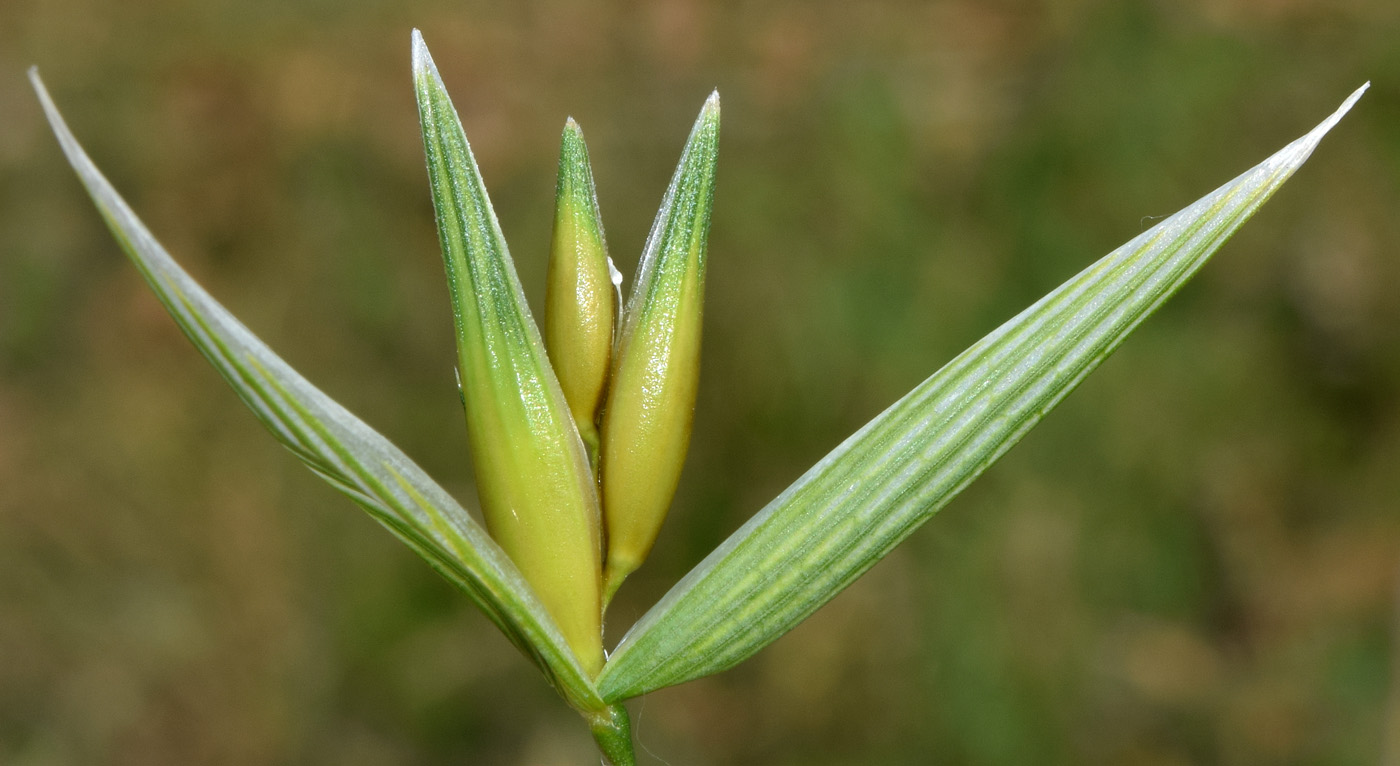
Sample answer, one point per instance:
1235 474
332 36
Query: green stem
612 730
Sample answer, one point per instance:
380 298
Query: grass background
1193 560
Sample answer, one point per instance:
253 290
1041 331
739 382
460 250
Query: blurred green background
1193 560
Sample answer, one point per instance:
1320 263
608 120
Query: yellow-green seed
537 492
651 396
580 297
537 497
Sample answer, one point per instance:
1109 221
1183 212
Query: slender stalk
612 730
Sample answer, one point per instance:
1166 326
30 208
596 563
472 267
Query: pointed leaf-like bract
858 502
651 397
580 298
532 474
336 445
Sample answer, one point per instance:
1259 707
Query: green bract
540 578
338 446
878 486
